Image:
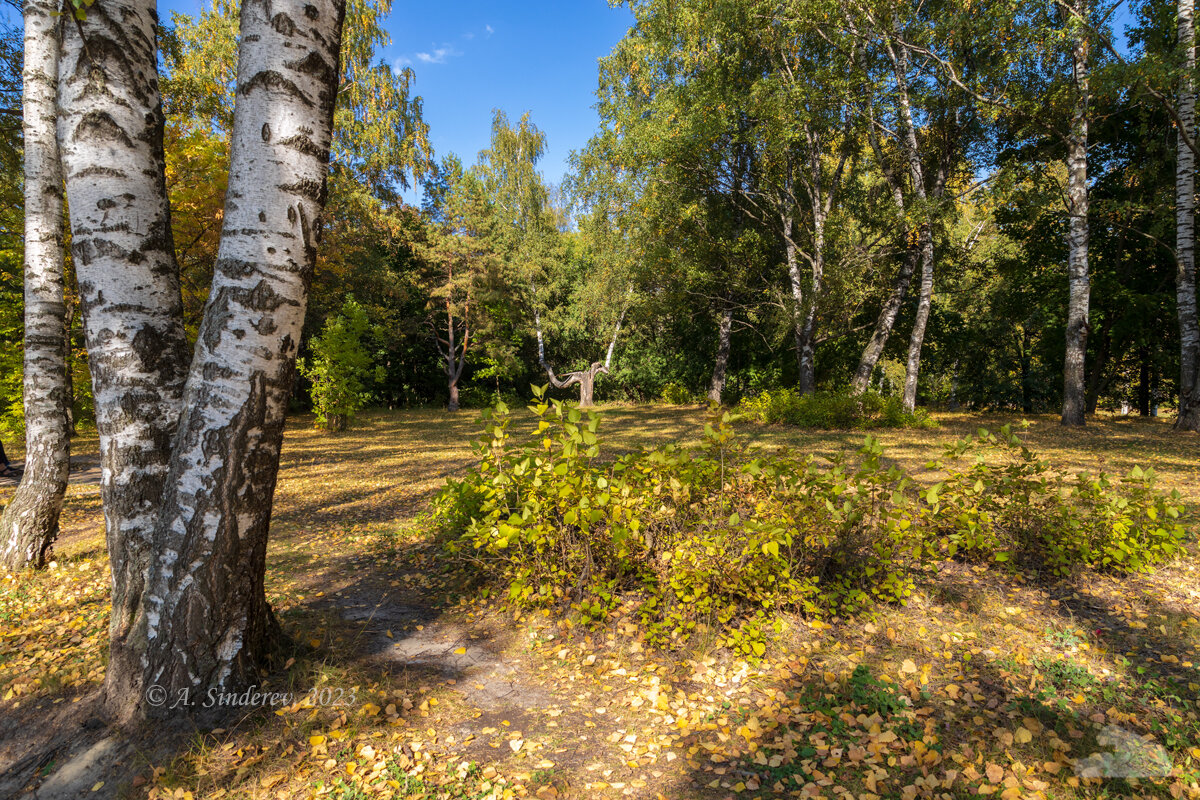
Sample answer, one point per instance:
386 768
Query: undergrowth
723 539
833 410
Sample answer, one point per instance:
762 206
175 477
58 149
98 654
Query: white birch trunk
29 524
110 128
206 623
1185 227
1079 284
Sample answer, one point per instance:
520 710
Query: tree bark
716 388
29 525
1079 282
206 623
924 303
797 287
110 128
885 322
1185 228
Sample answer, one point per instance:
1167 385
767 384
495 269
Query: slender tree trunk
1144 382
808 330
885 322
110 128
1026 359
797 287
29 525
924 303
1185 229
716 389
1079 282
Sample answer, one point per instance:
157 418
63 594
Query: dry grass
988 652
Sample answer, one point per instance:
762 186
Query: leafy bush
719 538
832 410
707 537
676 394
1008 506
340 369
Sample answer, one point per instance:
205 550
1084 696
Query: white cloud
490 30
438 55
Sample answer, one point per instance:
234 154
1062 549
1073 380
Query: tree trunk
1144 382
29 525
1079 283
1185 229
453 383
885 322
587 386
206 623
797 287
917 340
808 331
717 388
110 129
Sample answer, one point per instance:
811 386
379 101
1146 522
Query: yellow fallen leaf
994 772
316 740
516 745
908 666
1023 736
460 651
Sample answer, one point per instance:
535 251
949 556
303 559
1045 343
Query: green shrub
340 369
1008 506
721 538
676 394
832 410
707 537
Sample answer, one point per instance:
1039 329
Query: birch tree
29 524
190 453
1185 225
1078 279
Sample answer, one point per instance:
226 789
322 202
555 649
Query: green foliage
676 394
1007 506
833 410
721 540
702 539
340 370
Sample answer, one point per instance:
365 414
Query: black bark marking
283 24
266 132
235 267
157 353
265 326
313 190
262 216
93 172
105 203
303 144
271 80
292 215
97 125
313 64
213 371
311 12
261 298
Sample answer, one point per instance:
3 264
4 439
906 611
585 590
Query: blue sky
471 56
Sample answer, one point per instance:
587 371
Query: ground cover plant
834 410
990 679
